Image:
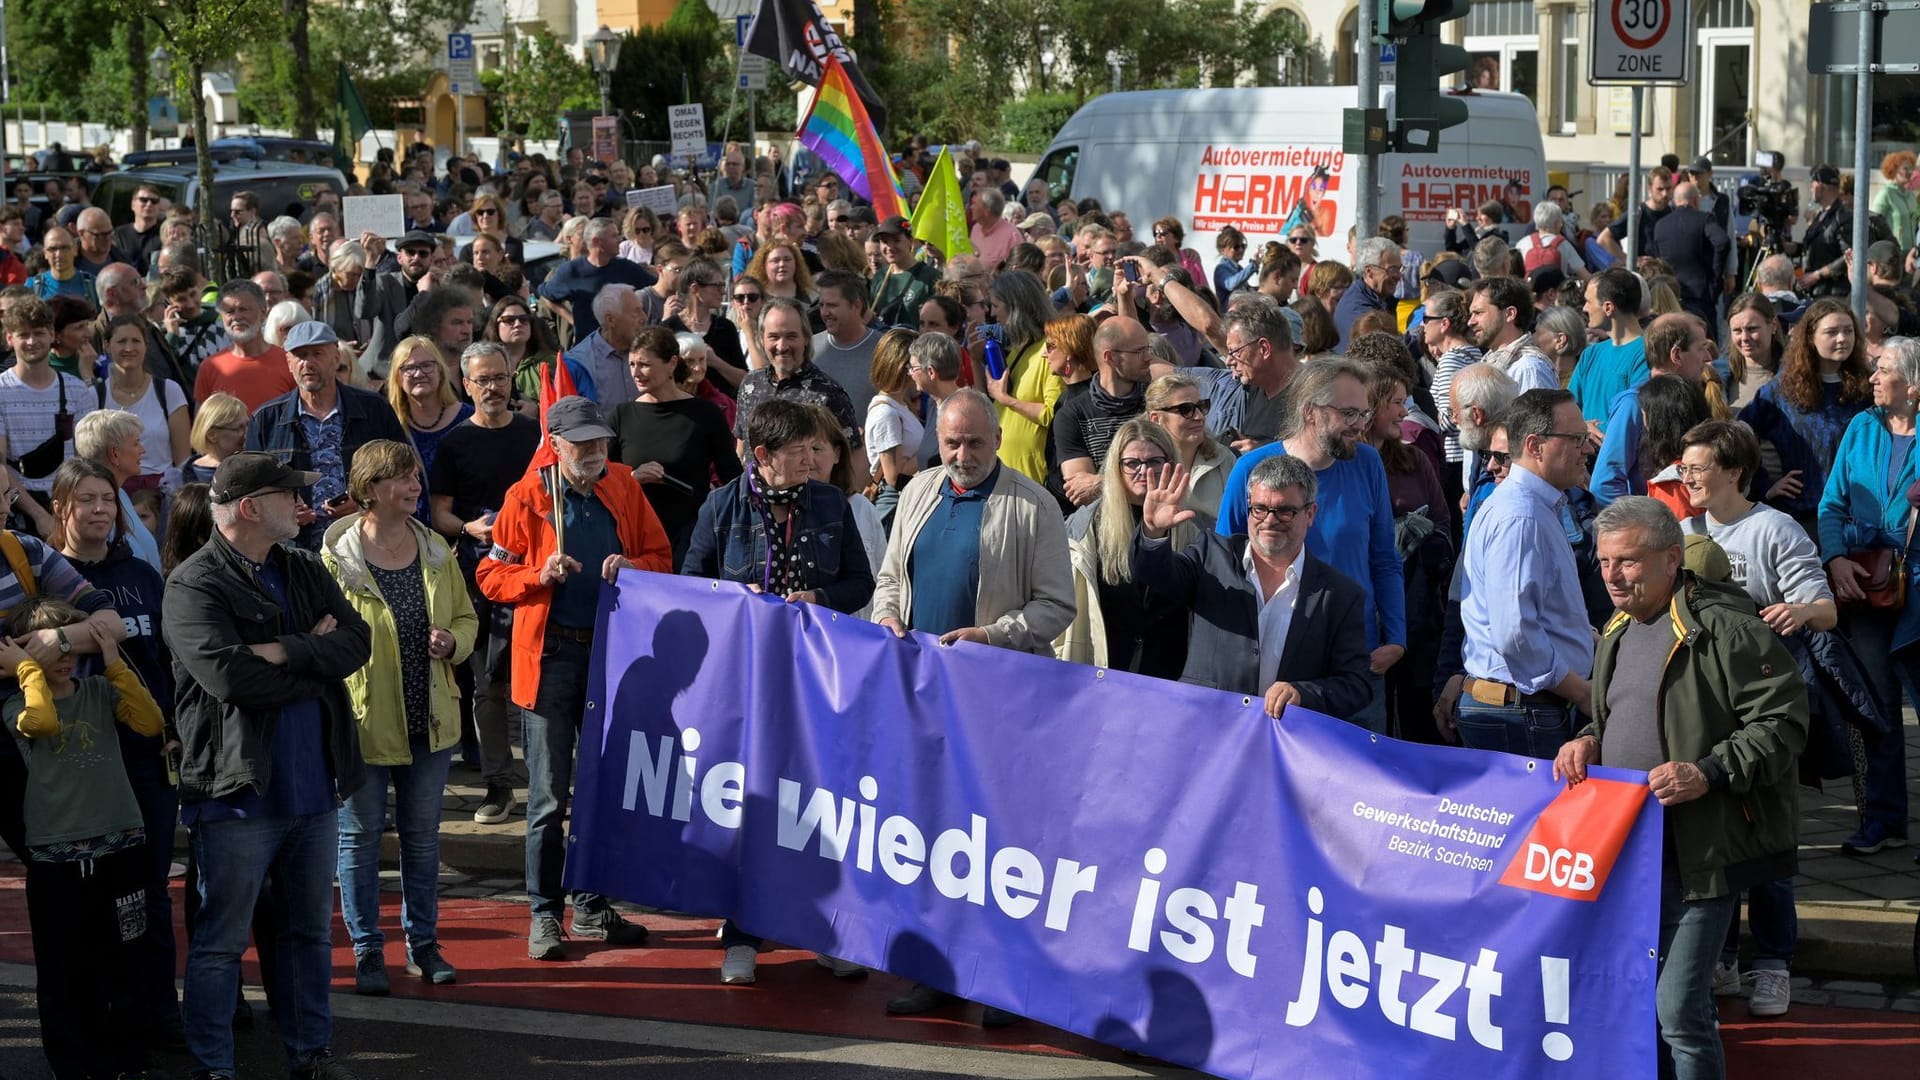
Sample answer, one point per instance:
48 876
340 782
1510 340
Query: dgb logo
1573 844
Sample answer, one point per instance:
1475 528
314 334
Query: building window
1503 43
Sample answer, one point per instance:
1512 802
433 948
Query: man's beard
1339 447
1472 436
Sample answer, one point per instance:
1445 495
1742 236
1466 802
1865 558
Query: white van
1244 157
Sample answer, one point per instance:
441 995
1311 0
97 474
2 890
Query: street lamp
1046 68
160 66
1114 60
604 49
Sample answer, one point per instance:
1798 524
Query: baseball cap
862 215
1700 165
417 238
311 332
252 472
1825 174
1034 221
1452 273
1708 559
577 419
893 226
1546 279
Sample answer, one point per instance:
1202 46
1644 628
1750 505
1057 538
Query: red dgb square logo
1572 846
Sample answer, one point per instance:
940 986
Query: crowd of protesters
1510 495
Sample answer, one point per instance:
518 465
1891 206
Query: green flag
940 218
352 123
358 123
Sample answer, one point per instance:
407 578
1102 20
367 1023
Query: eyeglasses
1298 240
707 284
1500 458
486 381
145 200
843 221
486 212
1190 410
746 298
1234 354
1106 253
1353 416
1580 435
1282 513
1688 472
1158 233
512 320
421 368
643 230
1140 465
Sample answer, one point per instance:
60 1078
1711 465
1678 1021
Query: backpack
1544 252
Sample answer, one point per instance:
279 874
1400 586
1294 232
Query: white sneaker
740 965
1726 979
842 969
1771 993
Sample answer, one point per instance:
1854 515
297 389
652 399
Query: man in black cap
262 642
319 424
904 283
551 578
1823 253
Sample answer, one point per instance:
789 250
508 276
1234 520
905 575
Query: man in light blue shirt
1529 646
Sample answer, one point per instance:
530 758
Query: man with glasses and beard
1529 646
1306 641
1353 518
477 462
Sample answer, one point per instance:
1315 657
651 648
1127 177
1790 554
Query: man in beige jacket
979 553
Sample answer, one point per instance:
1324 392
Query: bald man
1695 245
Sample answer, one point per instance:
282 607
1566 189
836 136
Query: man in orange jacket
549 579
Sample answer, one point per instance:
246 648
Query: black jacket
227 700
1695 245
1325 656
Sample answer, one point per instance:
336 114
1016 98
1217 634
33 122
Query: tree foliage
381 43
73 56
542 79
992 47
676 62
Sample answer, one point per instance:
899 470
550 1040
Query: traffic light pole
1366 199
1862 144
1635 203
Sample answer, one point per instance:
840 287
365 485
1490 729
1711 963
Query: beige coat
1026 581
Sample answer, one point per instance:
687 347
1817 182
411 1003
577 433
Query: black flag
796 36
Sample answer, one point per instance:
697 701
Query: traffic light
1421 109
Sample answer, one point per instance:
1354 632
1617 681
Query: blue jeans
418 788
1691 933
550 730
1871 634
1775 925
235 857
1528 730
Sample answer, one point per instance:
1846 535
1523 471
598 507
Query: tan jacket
1026 581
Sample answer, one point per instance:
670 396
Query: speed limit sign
1643 42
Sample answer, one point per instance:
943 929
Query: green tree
670 64
73 56
201 34
377 41
541 79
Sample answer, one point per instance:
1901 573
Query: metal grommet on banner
1531 765
1099 673
593 704
1374 739
1246 701
715 587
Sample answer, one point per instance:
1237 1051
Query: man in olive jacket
1692 687
262 641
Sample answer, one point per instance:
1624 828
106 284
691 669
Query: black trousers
89 943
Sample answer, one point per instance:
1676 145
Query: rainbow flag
838 129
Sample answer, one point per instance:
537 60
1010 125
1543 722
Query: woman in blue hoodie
1863 507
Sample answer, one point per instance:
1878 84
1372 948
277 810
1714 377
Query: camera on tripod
1777 202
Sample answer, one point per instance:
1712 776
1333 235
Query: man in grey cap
551 578
904 283
319 424
262 642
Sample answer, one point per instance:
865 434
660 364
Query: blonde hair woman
219 429
422 396
1117 623
1177 403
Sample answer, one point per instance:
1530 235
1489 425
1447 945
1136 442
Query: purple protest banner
1155 865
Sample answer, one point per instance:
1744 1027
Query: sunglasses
1191 410
1298 240
1499 457
512 320
746 298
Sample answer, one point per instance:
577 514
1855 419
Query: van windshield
1057 170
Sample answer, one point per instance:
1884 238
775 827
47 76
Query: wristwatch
66 646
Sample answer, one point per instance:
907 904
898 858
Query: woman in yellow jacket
1027 392
402 578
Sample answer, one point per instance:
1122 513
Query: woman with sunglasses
1304 245
640 232
1118 622
1176 403
487 213
746 295
1168 233
530 347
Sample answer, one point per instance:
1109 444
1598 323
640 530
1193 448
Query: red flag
554 385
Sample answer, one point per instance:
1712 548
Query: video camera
1776 202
